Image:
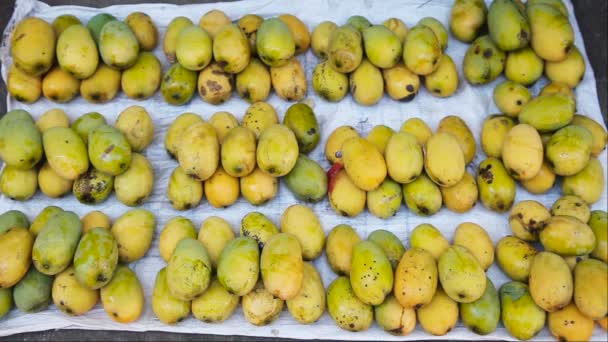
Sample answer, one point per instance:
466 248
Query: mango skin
328 83
346 309
301 119
274 42
385 200
289 80
96 23
188 270
134 186
33 293
18 184
482 316
260 307
93 187
370 284
134 232
198 151
13 218
56 243
467 18
345 49
144 30
307 180
238 266
444 159
496 187
589 281
382 47
231 49
483 61
33 46
23 87
6 301
598 223
320 38
86 123
522 152
552 34
366 84
569 149
567 236
118 45
440 315
415 278
508 25
258 187
102 86
340 242
363 163
588 184
20 140
281 266
524 66
16 251
257 226
429 238
77 52
175 131
60 86
422 196
551 285
70 296
141 80
215 234
309 305
171 35
277 150
421 50
300 221
96 258
253 83
522 318
379 135
548 113
394 318
109 150
167 308
123 297
345 197
215 305
461 275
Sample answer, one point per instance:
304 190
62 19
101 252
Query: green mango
231 49
301 119
385 200
598 223
56 243
96 258
87 123
193 48
461 275
277 150
42 218
20 140
329 83
259 227
178 85
11 219
6 301
260 307
32 46
359 22
238 266
215 305
394 318
548 113
569 149
348 311
309 305
188 270
141 80
118 45
508 25
391 245
274 42
382 47
123 296
588 184
77 52
345 49
496 187
65 152
96 23
422 196
33 292
19 185
238 152
109 150
482 316
483 62
524 66
371 273
281 266
167 308
307 180
421 50
552 34
567 236
522 318
93 186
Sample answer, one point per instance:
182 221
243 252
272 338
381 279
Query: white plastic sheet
473 104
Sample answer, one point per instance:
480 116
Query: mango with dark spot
523 66
172 33
333 146
482 316
188 270
510 97
96 258
118 46
522 318
109 150
259 116
93 186
514 256
102 86
307 180
329 83
496 187
394 318
238 266
22 86
231 49
569 324
527 219
198 150
56 243
422 50
15 252
70 296
134 186
33 46
574 206
134 232
371 274
461 274
569 150
214 85
193 48
167 308
467 19
86 123
320 38
345 49
277 150
483 62
259 227
439 316
340 243
385 200
522 152
260 307
552 35
493 133
60 86
141 80
123 298
443 82
77 52
33 293
289 80
508 25
301 119
249 24
400 83
253 83
274 42
346 309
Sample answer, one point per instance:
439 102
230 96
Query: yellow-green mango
33 46
253 83
15 255
522 318
522 152
96 258
509 97
175 230
198 150
77 52
426 236
348 311
415 278
64 21
134 231
260 307
379 135
215 305
188 270
597 131
333 146
440 315
394 318
418 128
307 181
301 119
366 84
398 27
13 219
467 18
60 86
438 29
345 49
259 116
552 35
483 62
363 163
231 49
6 301
238 266
496 187
134 186
590 281
301 222
329 83
70 296
144 30
259 187
514 256
458 128
213 21
571 206
341 241
400 83
96 23
493 133
183 191
461 197
551 285
443 82
40 220
102 86
109 150
176 130
215 233
20 141
359 22
476 239
137 126
281 266
298 30
598 223
289 80
93 186
461 275
569 71
172 33
118 45
274 42
482 316
17 184
238 152
56 243
320 38
277 150
23 87
193 48
249 24
444 159
371 274
33 293
588 184
569 324
214 84
567 235
527 219
569 149
309 305
382 47
141 80
422 196
523 66
123 297
508 25
421 50
86 123
259 227
385 200
167 308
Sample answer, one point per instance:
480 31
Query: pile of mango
73 262
220 159
87 157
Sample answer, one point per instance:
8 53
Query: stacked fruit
75 261
90 157
222 159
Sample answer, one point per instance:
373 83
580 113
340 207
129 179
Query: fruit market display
555 257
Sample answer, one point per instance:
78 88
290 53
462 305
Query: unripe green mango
33 46
277 150
548 113
309 305
496 187
231 49
56 243
238 266
274 43
461 275
19 185
567 235
348 311
483 62
215 305
123 296
93 186
508 25
167 308
20 140
301 119
522 318
238 152
569 149
422 196
482 316
281 266
359 22
96 258
371 273
11 219
77 52
382 47
87 123
421 50
385 200
551 285
345 49
109 150
552 35
118 45
259 227
15 255
188 270
96 23
33 293
141 80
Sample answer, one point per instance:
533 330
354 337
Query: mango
175 230
174 29
134 186
482 316
223 122
328 83
298 30
52 118
238 266
366 84
558 4
64 21
193 48
493 133
93 186
394 318
557 88
253 83
467 18
60 86
102 86
118 45
438 29
259 227
238 152
259 116
508 25
344 196
461 274
522 318
96 258
333 145
527 219
213 21
461 197
398 27
309 305
134 231
215 233
42 218
96 23
214 85
476 239
569 71
6 301
363 163
552 35
597 131
33 293
141 80
301 119
167 308
16 251
426 236
277 150
483 61
348 311
260 307
569 150
440 315
382 47
422 196
443 82
19 185
359 22
198 150
77 52
320 38
522 152
109 150
567 235
571 206
249 24
188 270
95 219
379 135
548 113
307 180
415 278
418 128
215 305
176 130
20 141
345 49
22 86
137 126
275 44
569 324
56 243
12 219
588 184
70 296
289 80
258 187
458 128
496 187
389 243
231 49
590 278
341 241
123 297
542 182
509 97
421 50
144 30
400 83
370 283
551 285
385 200
514 256
86 123
281 266
444 159
33 46
183 191
523 66
301 222
598 223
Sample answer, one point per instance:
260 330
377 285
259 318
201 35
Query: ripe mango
238 266
123 297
